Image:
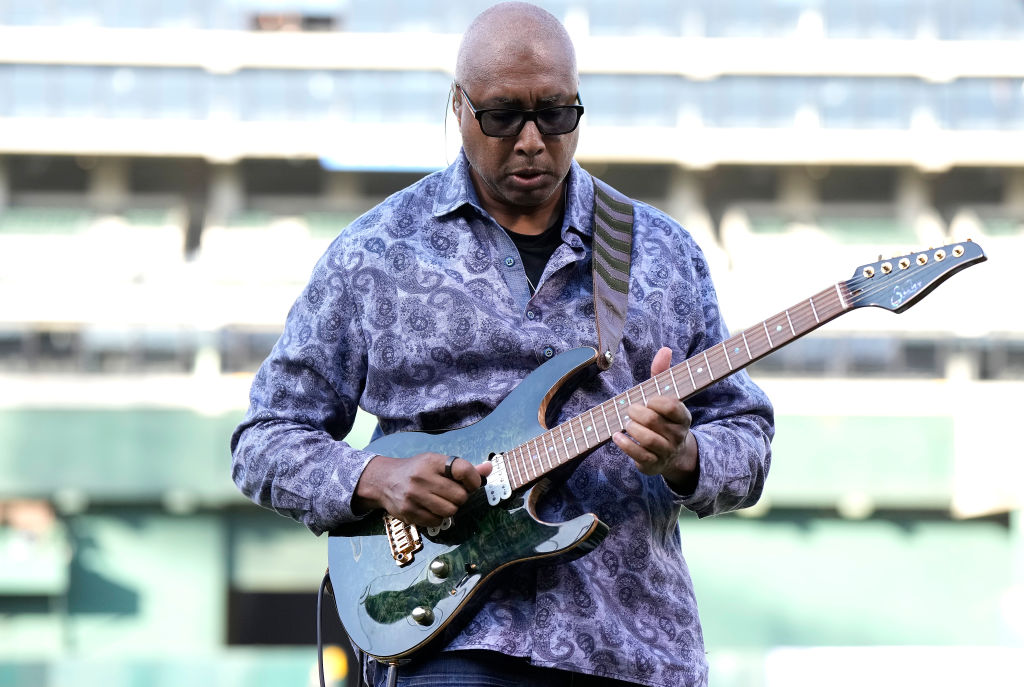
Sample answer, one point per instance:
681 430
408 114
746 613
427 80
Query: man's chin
528 197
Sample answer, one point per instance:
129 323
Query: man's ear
456 101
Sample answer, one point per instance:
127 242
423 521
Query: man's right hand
416 489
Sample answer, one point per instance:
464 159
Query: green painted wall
826 582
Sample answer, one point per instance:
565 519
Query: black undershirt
536 249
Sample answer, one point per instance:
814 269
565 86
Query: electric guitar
399 588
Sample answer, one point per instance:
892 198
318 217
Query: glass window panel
121 92
28 13
31 91
264 95
78 13
6 91
744 101
634 100
654 17
77 92
177 94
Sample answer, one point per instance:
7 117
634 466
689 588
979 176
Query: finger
466 474
651 440
671 409
662 360
645 460
430 508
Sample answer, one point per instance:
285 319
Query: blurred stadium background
170 171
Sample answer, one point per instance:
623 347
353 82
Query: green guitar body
390 611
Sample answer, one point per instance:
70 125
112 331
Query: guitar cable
324 586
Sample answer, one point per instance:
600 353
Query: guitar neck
577 436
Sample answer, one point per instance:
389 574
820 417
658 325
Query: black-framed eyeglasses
502 122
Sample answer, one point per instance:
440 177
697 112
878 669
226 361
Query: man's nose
530 141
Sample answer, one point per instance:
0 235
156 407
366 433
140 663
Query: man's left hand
657 436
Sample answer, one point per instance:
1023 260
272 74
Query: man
432 307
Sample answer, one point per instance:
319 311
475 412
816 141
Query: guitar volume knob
423 615
440 568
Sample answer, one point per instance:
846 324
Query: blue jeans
486 669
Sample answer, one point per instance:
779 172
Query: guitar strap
613 244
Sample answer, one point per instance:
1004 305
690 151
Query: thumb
662 360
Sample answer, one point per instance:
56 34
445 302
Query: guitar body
391 610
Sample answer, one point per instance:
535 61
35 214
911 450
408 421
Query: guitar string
656 382
834 308
801 322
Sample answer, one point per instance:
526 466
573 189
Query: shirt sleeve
733 420
288 453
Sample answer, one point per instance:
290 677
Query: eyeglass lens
550 121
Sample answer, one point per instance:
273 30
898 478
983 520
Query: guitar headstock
897 283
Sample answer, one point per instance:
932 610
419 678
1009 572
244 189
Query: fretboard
575 437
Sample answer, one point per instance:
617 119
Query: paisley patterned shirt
420 313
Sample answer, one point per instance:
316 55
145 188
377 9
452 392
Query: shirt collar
455 190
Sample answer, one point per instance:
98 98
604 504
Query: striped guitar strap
613 244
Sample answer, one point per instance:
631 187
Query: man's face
518 173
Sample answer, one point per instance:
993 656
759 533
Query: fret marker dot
666 387
700 369
778 327
736 350
588 429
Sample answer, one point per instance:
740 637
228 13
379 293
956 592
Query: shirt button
548 352
510 261
531 315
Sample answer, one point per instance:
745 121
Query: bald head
508 33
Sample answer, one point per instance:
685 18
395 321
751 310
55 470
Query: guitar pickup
403 538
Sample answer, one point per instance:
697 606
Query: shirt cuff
332 503
709 481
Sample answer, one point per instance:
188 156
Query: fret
726 351
584 433
777 329
616 402
675 386
708 363
790 322
557 442
642 394
531 466
572 434
692 382
839 293
592 425
814 310
536 462
604 414
745 345
563 442
547 451
514 464
768 334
